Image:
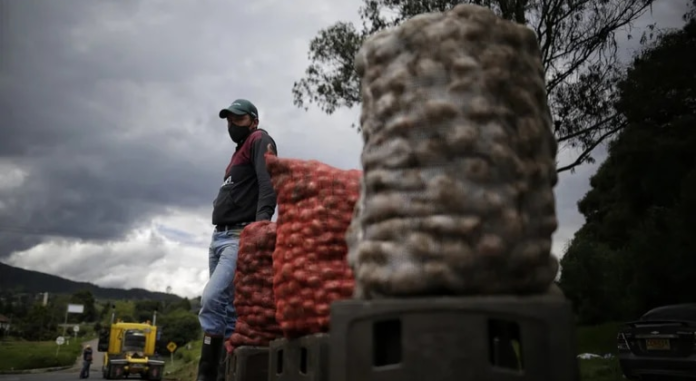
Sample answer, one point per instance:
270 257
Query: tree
20 305
637 238
183 304
38 324
85 298
593 290
578 47
179 326
124 310
144 309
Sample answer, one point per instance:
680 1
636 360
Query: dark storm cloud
86 178
96 103
109 111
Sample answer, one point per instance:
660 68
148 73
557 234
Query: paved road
63 375
51 376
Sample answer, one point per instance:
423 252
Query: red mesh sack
253 287
315 208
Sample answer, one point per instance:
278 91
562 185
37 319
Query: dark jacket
246 194
87 354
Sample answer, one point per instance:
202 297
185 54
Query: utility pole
65 324
70 308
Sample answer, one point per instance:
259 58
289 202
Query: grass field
600 340
185 363
19 355
600 370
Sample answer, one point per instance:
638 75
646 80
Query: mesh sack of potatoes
315 207
253 287
459 160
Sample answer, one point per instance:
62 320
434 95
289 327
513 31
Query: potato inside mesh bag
253 300
315 208
459 160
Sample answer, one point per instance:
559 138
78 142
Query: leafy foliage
85 298
180 326
17 355
39 324
30 319
578 48
636 249
175 320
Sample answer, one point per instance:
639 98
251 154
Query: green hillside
16 280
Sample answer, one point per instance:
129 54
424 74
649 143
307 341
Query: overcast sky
111 151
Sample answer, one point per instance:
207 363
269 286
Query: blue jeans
217 315
84 372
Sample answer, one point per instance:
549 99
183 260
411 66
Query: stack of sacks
253 287
315 207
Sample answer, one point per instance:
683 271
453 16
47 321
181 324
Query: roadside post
72 309
60 340
171 347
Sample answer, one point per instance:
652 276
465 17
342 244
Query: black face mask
238 133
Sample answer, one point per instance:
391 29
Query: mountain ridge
29 281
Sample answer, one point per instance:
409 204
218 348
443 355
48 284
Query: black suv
662 343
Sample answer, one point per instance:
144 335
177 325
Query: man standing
246 196
86 361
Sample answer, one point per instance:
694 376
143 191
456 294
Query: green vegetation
179 326
600 370
33 321
18 355
16 281
175 320
577 40
35 326
598 339
86 299
124 309
185 364
635 250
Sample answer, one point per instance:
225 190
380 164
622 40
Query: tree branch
586 153
588 129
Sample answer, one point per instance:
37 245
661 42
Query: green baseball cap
240 107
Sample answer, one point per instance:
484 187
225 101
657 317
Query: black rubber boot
222 368
210 358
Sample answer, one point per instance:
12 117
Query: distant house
4 323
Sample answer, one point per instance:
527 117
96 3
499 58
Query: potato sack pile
253 282
315 207
459 160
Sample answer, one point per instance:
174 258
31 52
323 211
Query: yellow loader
130 350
